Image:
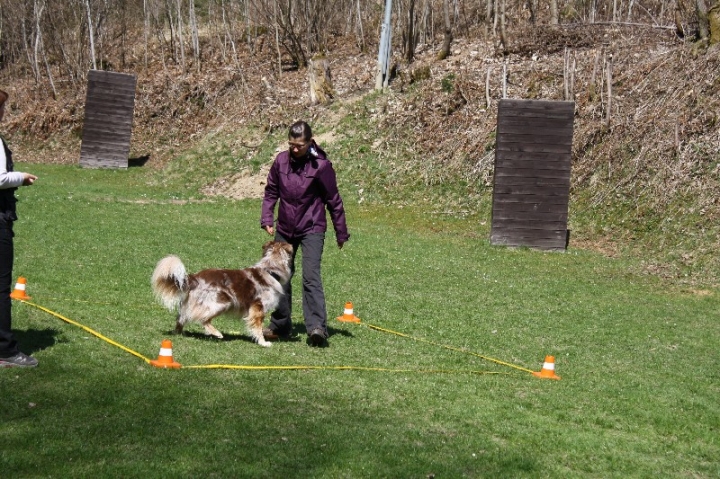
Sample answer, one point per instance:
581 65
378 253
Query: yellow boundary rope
85 328
258 368
451 348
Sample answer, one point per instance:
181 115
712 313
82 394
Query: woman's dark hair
300 129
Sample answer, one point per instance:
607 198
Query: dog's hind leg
180 322
254 322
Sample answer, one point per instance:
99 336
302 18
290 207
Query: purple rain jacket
304 186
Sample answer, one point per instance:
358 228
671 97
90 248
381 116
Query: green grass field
637 356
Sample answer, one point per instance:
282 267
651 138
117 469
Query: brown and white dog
248 293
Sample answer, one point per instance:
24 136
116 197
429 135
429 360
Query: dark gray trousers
313 295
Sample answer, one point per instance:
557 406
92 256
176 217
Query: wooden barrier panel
531 184
109 108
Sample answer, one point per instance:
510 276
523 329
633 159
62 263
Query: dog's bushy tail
169 282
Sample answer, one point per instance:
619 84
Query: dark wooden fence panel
531 187
107 129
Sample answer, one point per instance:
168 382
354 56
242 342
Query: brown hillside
655 157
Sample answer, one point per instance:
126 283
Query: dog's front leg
255 319
210 329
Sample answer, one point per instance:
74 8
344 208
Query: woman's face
298 147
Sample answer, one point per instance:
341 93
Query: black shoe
20 360
271 335
317 338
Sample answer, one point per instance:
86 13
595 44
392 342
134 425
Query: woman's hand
29 179
270 230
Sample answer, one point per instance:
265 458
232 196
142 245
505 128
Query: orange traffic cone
348 315
19 291
165 358
548 369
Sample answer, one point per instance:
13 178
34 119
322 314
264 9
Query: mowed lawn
448 398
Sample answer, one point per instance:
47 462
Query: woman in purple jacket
302 179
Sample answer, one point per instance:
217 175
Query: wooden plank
528 215
528 172
510 123
550 244
553 164
530 147
540 191
542 108
528 234
107 130
559 222
509 180
102 149
509 207
541 156
537 138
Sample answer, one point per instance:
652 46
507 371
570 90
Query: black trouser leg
8 345
281 318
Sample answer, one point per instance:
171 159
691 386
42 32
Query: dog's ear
267 246
287 247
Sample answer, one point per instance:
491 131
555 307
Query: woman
302 179
10 355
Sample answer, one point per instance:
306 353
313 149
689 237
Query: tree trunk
532 7
91 34
447 40
702 14
194 33
503 33
37 10
410 33
360 27
554 12
321 90
714 23
180 34
608 113
277 39
146 29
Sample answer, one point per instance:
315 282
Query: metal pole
384 49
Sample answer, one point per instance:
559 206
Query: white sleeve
8 179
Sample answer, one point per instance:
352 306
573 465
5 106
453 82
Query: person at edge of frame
10 180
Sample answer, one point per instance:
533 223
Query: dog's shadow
297 335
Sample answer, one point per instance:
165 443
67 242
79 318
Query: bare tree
554 18
194 33
448 38
409 32
91 34
702 14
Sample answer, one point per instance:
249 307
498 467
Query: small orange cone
19 291
548 369
348 315
165 358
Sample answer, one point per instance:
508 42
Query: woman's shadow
34 340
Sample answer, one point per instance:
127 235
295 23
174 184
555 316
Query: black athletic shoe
316 338
271 335
20 360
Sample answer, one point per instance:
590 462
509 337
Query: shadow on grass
298 331
34 340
